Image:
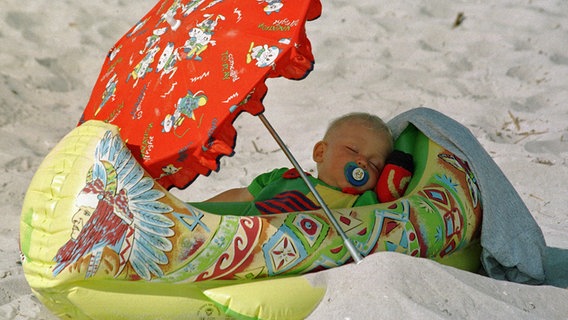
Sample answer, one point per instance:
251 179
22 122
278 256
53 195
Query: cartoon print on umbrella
168 60
109 92
273 6
152 40
184 109
200 37
263 55
118 214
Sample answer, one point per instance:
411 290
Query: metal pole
346 241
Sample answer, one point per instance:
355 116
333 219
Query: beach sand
501 72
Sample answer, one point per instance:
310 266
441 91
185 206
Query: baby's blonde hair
373 122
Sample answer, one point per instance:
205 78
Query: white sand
503 73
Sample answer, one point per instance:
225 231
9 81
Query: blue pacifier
356 175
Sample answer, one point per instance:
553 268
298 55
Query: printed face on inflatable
79 220
352 143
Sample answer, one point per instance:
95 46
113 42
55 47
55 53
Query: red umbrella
177 80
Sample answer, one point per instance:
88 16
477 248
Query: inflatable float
101 239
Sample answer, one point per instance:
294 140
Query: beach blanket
513 243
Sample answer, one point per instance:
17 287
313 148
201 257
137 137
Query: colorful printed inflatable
100 238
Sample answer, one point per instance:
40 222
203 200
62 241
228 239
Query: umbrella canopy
177 80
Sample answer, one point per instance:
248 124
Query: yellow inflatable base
274 298
166 260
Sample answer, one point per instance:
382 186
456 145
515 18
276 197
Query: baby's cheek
374 175
373 179
373 183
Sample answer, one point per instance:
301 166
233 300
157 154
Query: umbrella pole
346 241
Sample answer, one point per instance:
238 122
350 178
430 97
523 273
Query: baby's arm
233 195
244 194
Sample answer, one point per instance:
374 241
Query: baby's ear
319 149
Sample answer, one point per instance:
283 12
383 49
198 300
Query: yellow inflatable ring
101 239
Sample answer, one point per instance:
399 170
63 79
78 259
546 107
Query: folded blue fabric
513 243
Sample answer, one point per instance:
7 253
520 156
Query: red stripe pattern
287 201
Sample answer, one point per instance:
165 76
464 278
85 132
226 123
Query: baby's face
352 143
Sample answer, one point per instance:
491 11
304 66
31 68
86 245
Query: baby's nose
362 163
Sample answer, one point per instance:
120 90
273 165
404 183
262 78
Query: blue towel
513 243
